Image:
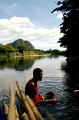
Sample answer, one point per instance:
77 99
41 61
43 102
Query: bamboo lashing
11 111
26 104
34 108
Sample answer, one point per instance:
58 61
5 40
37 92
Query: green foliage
70 25
8 51
38 51
9 48
6 48
20 42
21 48
52 52
2 49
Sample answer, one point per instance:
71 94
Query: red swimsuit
37 98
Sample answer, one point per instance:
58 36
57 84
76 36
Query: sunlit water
21 68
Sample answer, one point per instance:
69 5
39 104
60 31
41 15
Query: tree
69 26
22 48
9 48
55 51
6 48
2 49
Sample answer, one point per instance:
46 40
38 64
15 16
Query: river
21 68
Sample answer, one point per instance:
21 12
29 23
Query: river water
21 68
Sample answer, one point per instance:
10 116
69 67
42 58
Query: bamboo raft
30 110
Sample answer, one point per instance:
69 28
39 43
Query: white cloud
60 16
18 27
19 21
23 26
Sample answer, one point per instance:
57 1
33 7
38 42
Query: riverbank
18 54
25 55
33 52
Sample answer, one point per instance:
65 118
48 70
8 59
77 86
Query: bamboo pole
16 113
26 104
18 95
24 116
20 100
12 94
34 108
11 111
5 110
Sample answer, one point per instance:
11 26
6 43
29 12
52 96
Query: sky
30 20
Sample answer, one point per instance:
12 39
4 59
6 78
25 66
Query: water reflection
18 63
53 56
21 63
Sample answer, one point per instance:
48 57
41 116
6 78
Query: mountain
20 42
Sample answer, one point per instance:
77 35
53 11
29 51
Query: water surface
21 68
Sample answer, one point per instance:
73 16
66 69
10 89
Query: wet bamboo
24 116
19 98
16 113
11 111
12 94
34 108
26 104
5 110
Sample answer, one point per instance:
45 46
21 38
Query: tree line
8 50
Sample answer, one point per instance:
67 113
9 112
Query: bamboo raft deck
30 110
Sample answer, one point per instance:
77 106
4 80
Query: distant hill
20 42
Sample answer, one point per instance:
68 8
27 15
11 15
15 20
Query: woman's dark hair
36 71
